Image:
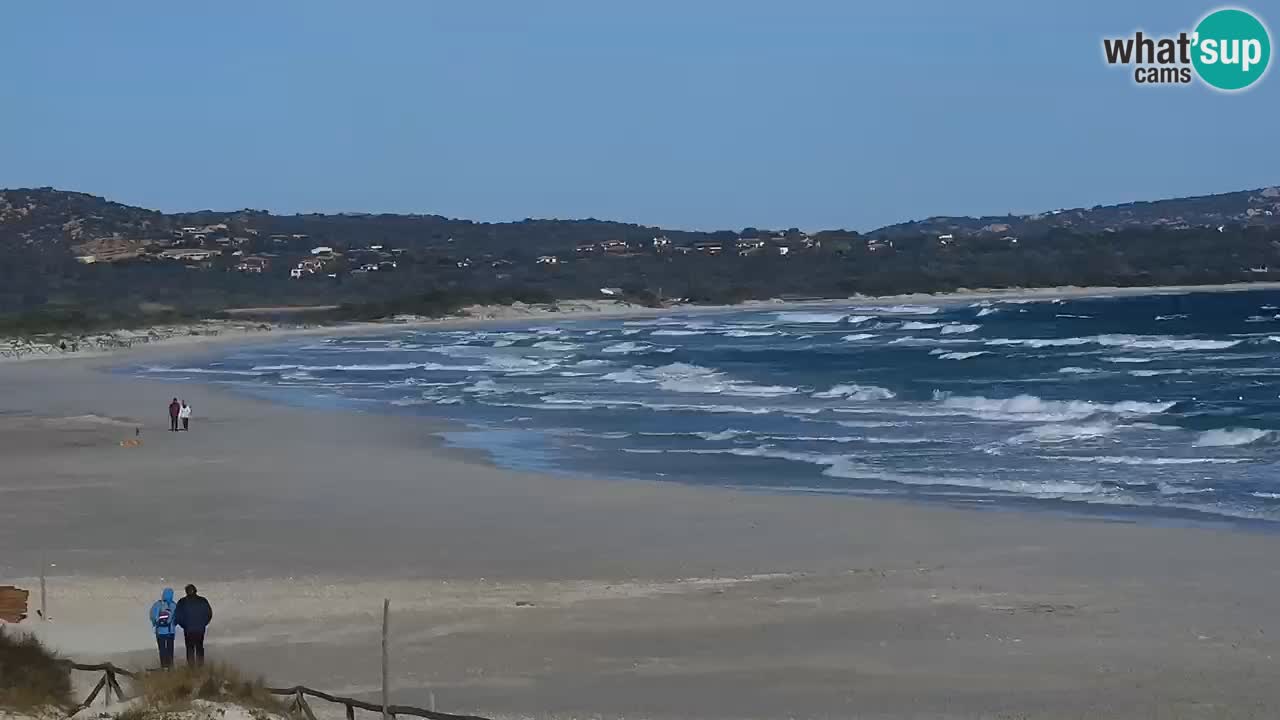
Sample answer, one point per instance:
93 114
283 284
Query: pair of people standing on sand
179 410
192 613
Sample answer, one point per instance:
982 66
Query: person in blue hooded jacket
163 615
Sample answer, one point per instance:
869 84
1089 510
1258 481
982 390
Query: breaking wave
1030 408
1232 437
858 393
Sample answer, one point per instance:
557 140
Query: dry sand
525 595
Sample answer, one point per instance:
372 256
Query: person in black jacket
194 614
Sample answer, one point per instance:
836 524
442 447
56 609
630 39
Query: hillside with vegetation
72 259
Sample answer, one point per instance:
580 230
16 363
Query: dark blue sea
1161 406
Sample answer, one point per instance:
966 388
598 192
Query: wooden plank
386 702
306 709
13 603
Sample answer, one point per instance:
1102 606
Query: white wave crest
1073 370
1062 432
959 328
626 348
1134 460
1129 342
556 345
751 333
1029 408
857 393
858 336
916 325
899 310
1129 360
987 311
810 317
958 355
687 378
1231 437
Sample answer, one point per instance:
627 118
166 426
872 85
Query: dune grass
174 690
31 675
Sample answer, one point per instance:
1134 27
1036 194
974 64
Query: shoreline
252 332
523 594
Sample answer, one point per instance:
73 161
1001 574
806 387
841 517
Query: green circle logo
1232 49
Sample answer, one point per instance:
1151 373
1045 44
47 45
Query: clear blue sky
688 113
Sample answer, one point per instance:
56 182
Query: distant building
189 255
548 260
709 247
661 243
586 249
322 250
86 259
253 264
611 292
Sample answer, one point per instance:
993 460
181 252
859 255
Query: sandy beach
526 595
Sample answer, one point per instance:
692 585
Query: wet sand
526 595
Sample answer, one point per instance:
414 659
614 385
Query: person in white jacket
185 416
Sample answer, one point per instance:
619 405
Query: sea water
1164 406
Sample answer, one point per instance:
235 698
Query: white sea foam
1179 316
1154 373
1073 370
810 317
627 348
899 310
751 333
858 336
857 393
687 378
1129 342
958 355
1129 360
1029 408
1134 460
678 333
916 325
255 372
959 328
1062 432
987 311
386 367
867 424
556 345
1231 437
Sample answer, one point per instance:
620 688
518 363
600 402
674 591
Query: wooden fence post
386 701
